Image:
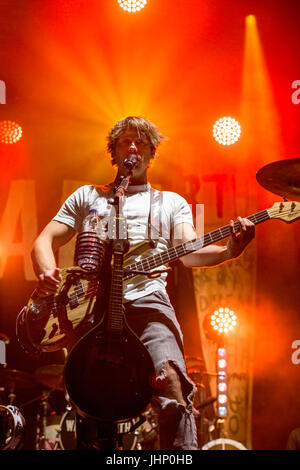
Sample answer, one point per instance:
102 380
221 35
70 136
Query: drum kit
12 422
55 430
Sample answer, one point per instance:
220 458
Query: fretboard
172 254
115 311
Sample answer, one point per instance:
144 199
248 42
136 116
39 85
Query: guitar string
225 231
179 251
152 260
49 303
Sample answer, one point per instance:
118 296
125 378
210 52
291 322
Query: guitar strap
154 218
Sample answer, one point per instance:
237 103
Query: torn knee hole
169 385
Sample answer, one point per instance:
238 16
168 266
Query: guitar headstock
288 211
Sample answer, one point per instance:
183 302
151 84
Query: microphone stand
119 193
107 432
121 189
130 163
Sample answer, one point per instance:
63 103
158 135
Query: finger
53 277
50 282
42 292
231 225
250 224
57 274
249 227
48 285
49 288
242 223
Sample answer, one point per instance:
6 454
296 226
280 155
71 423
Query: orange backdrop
72 69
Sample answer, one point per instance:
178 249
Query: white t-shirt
173 210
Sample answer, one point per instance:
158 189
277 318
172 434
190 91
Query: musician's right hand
48 282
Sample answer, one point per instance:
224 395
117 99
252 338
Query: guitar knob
34 310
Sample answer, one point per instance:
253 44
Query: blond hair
141 125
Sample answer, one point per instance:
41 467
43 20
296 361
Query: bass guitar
109 373
51 323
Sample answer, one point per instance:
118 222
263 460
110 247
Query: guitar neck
186 248
115 308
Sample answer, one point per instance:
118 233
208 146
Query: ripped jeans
153 319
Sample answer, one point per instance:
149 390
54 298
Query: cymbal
13 379
51 376
282 178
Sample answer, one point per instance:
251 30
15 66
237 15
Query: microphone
131 161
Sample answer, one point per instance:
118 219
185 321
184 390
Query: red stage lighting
10 132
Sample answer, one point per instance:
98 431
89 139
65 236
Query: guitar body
108 376
47 324
109 373
50 323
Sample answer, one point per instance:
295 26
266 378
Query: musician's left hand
239 240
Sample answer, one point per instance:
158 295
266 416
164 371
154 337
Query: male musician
147 306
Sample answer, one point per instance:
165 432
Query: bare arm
213 255
54 235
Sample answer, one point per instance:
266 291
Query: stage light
223 320
222 363
217 327
132 6
222 398
10 132
222 386
226 131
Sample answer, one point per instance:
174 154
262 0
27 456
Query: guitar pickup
73 301
79 291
